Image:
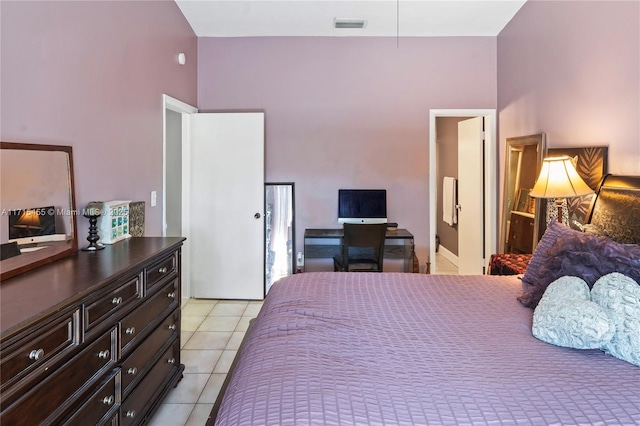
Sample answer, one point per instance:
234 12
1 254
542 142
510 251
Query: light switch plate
153 198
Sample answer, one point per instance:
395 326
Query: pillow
568 252
620 295
532 292
567 317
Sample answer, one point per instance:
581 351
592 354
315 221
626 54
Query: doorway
176 117
489 183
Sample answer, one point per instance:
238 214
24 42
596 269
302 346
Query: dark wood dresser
94 338
520 233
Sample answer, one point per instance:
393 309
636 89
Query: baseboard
448 255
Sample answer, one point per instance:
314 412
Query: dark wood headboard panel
616 208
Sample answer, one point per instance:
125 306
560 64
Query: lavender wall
348 112
571 69
91 75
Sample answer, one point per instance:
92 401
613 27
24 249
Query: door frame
490 178
172 104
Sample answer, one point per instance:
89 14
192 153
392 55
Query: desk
326 243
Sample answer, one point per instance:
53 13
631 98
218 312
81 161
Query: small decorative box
113 224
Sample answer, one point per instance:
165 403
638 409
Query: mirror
37 205
279 232
520 213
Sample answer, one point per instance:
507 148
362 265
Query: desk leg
409 256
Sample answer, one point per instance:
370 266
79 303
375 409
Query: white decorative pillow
620 295
566 316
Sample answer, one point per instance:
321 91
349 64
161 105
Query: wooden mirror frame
511 191
28 261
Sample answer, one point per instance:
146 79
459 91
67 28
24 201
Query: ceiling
404 18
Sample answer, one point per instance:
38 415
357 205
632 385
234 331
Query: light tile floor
444 266
212 331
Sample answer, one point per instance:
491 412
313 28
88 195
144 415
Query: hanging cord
397 23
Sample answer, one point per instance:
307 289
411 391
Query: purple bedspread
410 349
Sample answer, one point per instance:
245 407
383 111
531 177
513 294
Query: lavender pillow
568 252
532 292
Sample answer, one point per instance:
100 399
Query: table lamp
29 220
559 180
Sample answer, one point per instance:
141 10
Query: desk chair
362 248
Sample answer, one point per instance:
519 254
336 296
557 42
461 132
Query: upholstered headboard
615 210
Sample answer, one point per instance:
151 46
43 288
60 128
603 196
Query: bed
331 348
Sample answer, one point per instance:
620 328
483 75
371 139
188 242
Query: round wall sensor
182 59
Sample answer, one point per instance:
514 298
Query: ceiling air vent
349 23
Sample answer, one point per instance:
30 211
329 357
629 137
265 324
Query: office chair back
362 248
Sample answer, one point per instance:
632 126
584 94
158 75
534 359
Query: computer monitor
362 206
32 225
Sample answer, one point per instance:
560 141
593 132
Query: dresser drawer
151 386
143 320
39 349
117 300
52 397
521 233
100 406
138 363
155 273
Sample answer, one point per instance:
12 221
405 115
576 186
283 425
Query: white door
470 196
227 203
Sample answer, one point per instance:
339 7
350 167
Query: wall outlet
154 198
300 259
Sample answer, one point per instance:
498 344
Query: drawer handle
172 327
108 400
104 354
171 361
163 270
116 300
171 295
131 414
133 371
36 354
130 330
